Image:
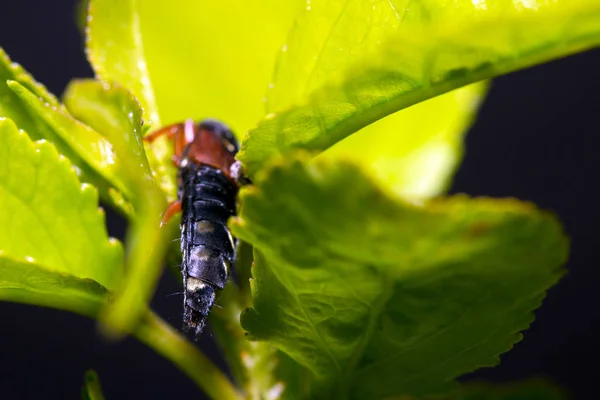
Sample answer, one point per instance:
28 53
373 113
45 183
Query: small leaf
91 387
113 112
363 288
47 216
364 69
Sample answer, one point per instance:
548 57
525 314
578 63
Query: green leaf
10 104
414 152
26 281
116 50
92 390
27 118
354 62
214 58
113 112
47 216
84 143
361 287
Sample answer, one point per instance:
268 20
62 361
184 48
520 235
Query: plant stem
146 245
168 342
92 388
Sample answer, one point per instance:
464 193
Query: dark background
536 138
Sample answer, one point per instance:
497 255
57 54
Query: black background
536 138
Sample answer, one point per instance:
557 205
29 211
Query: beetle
208 181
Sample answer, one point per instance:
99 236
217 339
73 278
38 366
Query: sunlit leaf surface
363 288
354 62
414 152
54 248
113 112
214 58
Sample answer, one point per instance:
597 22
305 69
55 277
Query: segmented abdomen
207 201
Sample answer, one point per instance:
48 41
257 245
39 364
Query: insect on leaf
364 288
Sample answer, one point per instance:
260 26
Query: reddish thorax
197 145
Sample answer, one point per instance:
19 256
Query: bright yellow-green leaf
14 107
82 143
363 288
115 48
214 58
10 105
426 48
48 218
414 152
113 112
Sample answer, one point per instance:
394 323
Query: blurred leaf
352 63
115 48
214 58
92 390
10 104
414 152
113 112
170 343
363 288
147 244
29 282
80 15
53 235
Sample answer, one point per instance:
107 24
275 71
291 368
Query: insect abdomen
208 200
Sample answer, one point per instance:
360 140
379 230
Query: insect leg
180 134
172 209
237 173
